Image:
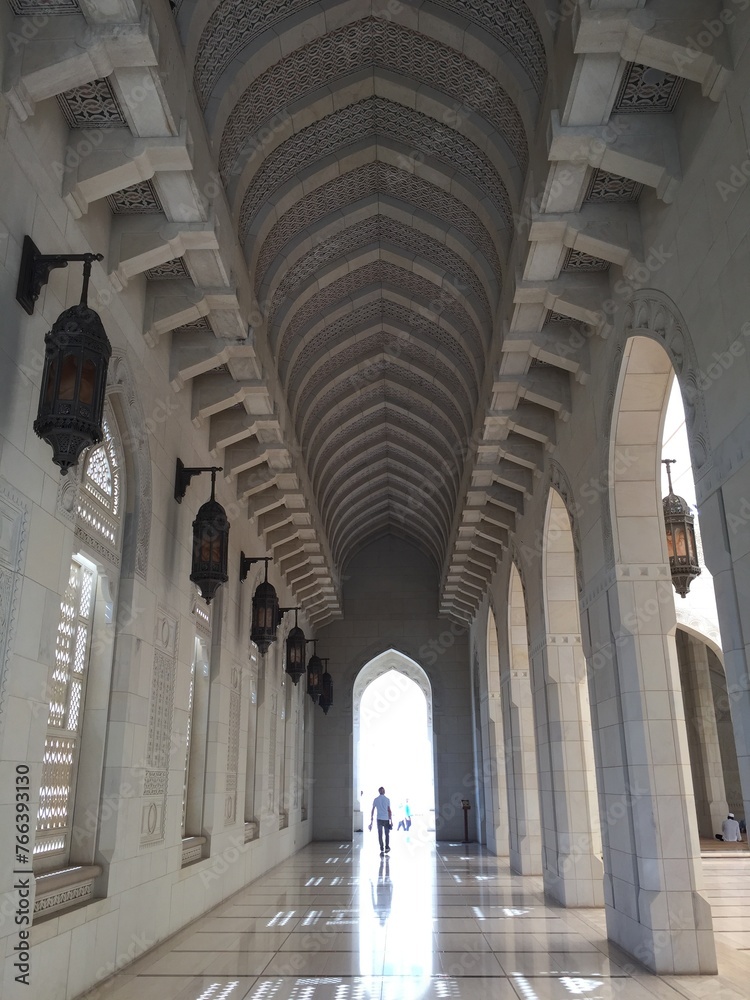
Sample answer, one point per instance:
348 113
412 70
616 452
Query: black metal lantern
266 611
295 651
208 569
210 546
314 673
326 690
76 358
681 544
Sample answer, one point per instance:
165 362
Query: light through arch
393 740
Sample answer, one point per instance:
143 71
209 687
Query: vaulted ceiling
374 156
373 239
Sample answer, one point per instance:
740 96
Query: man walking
382 806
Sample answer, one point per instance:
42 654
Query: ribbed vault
374 156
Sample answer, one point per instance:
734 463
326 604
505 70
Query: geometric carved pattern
374 116
365 181
606 187
372 274
577 260
378 43
100 493
370 316
432 429
235 23
513 25
555 317
197 325
644 89
233 747
379 229
65 720
410 380
381 345
93 105
27 8
159 734
174 268
138 199
160 712
64 898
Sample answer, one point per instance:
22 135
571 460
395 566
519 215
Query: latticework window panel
189 733
64 724
100 496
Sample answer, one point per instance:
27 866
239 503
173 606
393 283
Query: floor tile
337 923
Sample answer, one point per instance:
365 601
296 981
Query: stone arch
134 429
389 661
632 623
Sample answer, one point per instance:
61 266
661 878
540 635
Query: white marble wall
147 895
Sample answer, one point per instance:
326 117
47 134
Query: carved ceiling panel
371 42
235 24
375 116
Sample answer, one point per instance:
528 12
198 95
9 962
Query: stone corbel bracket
69 52
119 161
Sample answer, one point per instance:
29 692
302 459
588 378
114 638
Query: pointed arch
405 671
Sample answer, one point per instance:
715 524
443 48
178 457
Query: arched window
86 608
100 495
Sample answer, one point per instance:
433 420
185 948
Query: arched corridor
343 345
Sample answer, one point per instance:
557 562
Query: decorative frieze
93 105
233 747
138 199
168 271
159 736
610 188
50 8
645 89
577 260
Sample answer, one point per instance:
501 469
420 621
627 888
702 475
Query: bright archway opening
393 743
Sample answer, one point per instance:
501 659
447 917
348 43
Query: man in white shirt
730 829
382 806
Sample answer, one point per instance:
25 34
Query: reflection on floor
339 922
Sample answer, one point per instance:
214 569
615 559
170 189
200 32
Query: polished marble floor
338 922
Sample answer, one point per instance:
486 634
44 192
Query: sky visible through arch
394 748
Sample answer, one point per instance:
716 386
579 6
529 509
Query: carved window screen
65 722
100 496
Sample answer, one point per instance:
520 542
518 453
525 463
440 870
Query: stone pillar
725 529
653 876
703 734
572 868
522 777
493 757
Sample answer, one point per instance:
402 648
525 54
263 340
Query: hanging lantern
326 690
266 611
295 651
314 673
208 569
76 357
681 544
210 546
